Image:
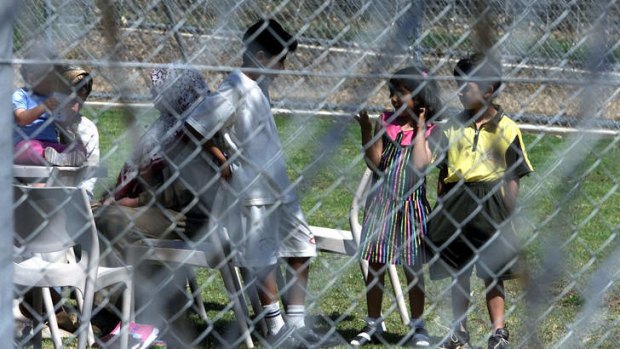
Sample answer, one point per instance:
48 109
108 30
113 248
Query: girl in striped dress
394 222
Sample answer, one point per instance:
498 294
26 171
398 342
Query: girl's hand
50 103
422 117
363 119
128 202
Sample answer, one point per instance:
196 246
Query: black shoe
370 334
499 340
313 339
457 340
420 338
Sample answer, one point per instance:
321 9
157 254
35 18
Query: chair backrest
358 204
52 219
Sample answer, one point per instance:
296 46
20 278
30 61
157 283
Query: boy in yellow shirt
478 185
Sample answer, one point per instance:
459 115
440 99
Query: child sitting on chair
35 135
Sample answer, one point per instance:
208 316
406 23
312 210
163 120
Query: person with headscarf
150 201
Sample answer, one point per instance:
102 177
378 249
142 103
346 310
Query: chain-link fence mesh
560 77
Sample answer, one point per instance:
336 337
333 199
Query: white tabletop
57 175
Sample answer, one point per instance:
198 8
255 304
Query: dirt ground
320 78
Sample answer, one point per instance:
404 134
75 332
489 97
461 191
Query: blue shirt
26 99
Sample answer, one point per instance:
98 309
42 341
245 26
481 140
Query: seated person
35 136
76 128
149 203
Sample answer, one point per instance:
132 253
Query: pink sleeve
430 128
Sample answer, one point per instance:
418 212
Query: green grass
568 223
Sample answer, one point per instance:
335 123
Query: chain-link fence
168 210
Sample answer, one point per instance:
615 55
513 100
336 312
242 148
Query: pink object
32 152
392 129
146 334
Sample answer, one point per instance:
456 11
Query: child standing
251 205
478 185
394 222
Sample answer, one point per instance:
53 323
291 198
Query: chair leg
51 317
398 293
85 303
38 323
127 313
235 296
252 293
195 289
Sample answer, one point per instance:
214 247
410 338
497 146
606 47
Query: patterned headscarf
174 92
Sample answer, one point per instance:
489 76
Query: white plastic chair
356 230
49 223
213 253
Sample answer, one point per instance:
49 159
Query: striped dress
394 222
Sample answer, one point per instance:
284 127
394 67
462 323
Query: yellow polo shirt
486 154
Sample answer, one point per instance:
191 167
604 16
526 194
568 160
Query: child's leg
374 297
415 285
30 152
297 269
496 301
461 290
267 289
297 278
374 289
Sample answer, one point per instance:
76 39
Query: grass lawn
568 224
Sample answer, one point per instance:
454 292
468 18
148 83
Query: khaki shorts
295 237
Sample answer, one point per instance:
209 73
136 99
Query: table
56 175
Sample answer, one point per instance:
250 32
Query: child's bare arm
372 149
25 117
220 157
421 150
210 147
511 191
441 185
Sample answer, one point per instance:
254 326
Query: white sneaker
72 158
420 338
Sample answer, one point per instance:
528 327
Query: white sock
273 317
295 315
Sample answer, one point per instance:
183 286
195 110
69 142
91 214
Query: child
394 222
151 201
478 186
250 204
35 136
76 128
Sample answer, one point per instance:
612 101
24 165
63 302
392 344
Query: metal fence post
7 11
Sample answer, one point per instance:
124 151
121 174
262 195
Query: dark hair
483 70
269 36
425 93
